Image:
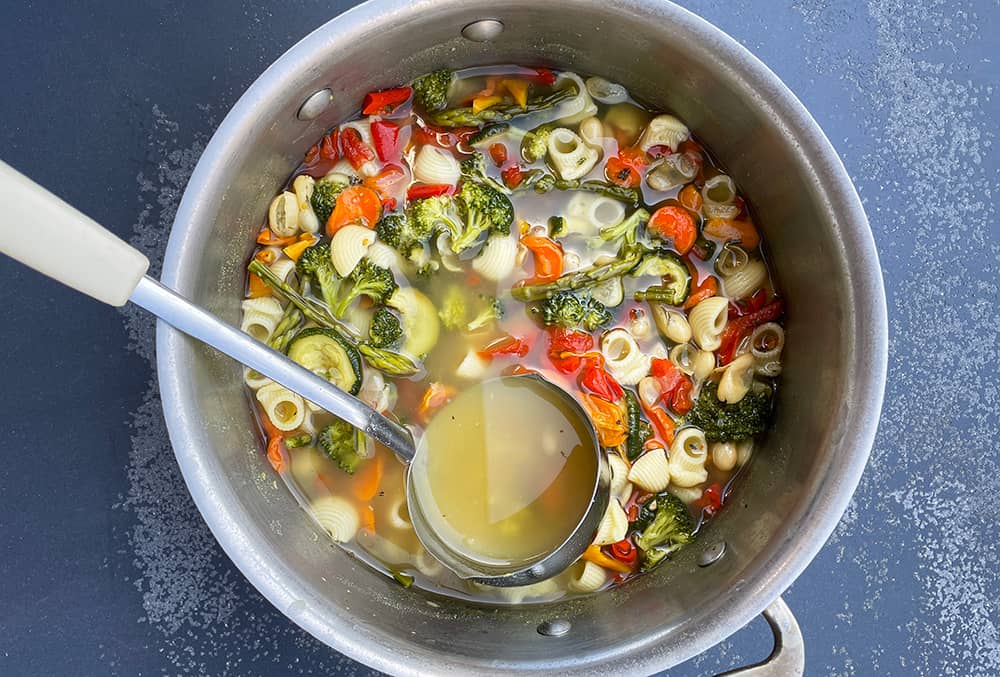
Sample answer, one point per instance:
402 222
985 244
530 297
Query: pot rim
790 558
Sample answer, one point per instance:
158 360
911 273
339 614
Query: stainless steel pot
799 483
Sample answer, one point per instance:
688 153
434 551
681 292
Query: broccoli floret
534 145
567 309
669 527
369 280
452 309
431 91
343 443
557 226
324 198
730 422
474 169
491 310
402 233
485 209
438 212
384 330
627 228
315 265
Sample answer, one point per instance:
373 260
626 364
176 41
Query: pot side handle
788 659
43 232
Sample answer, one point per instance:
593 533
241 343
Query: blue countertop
107 568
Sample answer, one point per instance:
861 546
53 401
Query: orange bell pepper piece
608 418
548 256
294 251
518 89
593 554
743 232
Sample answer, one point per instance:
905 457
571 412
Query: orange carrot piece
276 452
368 479
675 224
435 397
267 238
355 205
743 232
368 518
690 198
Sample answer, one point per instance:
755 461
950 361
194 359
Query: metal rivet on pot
556 627
483 30
712 554
314 105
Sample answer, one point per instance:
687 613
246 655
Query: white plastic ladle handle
43 232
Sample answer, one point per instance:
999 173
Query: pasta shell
303 187
671 172
348 246
651 471
283 215
671 323
737 379
621 488
285 409
707 320
435 165
664 130
687 494
260 317
614 525
570 157
580 107
586 577
744 450
745 280
592 132
383 255
623 358
605 91
337 516
496 260
688 454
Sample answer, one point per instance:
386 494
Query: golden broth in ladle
505 472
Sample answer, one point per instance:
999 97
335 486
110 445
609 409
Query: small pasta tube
586 576
651 471
303 187
254 379
580 107
670 172
283 215
285 409
718 197
436 165
497 258
426 564
745 281
621 488
260 317
571 158
348 246
587 213
283 269
398 517
723 455
737 379
623 358
688 454
707 320
766 343
613 526
664 130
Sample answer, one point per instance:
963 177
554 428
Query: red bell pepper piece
385 101
567 348
506 345
386 139
498 153
419 191
738 328
675 387
512 176
662 423
624 551
355 149
548 256
543 76
321 158
625 169
711 499
384 182
595 379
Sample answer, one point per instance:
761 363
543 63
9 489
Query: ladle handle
43 232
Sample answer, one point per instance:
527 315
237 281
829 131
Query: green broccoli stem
465 117
628 259
286 329
313 310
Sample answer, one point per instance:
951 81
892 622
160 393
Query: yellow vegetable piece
481 103
518 89
294 251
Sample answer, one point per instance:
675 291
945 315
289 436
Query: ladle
46 234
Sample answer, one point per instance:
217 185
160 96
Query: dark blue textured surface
106 567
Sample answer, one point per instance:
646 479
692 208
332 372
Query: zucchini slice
675 279
421 326
328 354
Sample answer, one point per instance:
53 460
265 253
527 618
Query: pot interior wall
658 614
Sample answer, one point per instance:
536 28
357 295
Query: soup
510 220
506 473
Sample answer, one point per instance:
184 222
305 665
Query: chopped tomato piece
512 176
506 345
355 149
498 153
676 224
567 348
419 191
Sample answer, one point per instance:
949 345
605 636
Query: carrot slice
358 205
368 518
367 480
674 223
743 232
